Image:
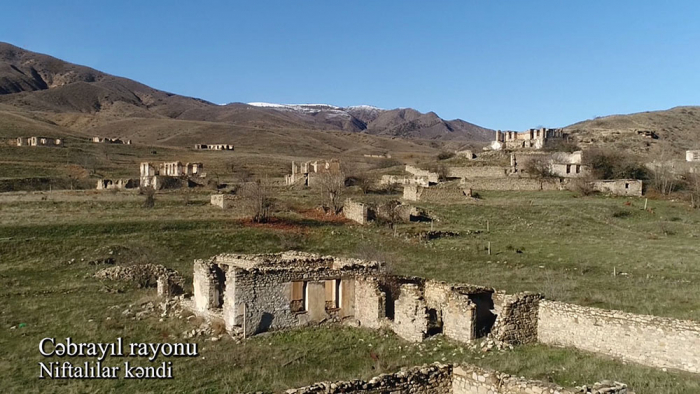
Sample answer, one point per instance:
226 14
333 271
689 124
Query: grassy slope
39 287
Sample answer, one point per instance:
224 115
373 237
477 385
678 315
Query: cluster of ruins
165 175
530 139
213 147
39 141
304 173
107 140
252 294
157 177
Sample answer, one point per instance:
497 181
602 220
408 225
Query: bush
150 194
609 164
258 200
540 168
444 155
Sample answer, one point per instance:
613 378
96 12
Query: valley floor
596 251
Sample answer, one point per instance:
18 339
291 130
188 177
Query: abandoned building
560 164
620 187
258 293
378 156
107 184
390 211
213 147
158 178
530 139
437 193
692 155
107 140
304 173
39 141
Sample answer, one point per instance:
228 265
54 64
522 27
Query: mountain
677 129
81 98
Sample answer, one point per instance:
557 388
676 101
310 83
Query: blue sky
499 64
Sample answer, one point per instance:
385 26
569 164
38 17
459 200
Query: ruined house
264 292
213 147
159 177
619 187
304 173
692 155
119 184
39 141
223 201
107 140
530 139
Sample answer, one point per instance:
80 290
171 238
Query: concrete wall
512 183
477 172
649 340
619 187
355 211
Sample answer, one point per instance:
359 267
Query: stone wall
477 172
428 379
619 187
512 183
404 180
435 194
650 340
370 303
469 379
411 314
355 211
432 176
456 312
223 201
516 321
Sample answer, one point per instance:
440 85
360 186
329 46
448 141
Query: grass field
556 243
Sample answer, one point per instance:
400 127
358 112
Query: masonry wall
516 321
429 379
477 172
469 379
649 340
404 180
355 211
457 312
432 176
370 303
620 187
512 184
434 193
223 201
410 314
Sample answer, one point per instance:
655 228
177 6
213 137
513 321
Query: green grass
568 248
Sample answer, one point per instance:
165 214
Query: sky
499 64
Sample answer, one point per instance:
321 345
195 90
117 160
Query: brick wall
649 340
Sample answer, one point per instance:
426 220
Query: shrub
444 155
258 200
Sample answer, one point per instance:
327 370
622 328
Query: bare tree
332 187
693 185
258 199
75 173
539 167
150 194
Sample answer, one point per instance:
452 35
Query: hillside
678 129
82 99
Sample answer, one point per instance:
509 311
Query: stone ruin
168 282
223 201
213 147
119 184
258 293
304 173
439 193
530 139
159 177
619 187
39 141
454 379
107 140
363 213
692 155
